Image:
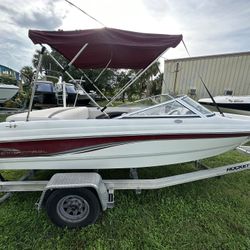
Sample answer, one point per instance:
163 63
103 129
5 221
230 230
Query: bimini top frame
106 47
125 49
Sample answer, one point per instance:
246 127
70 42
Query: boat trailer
77 199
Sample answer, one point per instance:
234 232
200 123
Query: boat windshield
45 87
70 89
197 106
179 107
148 101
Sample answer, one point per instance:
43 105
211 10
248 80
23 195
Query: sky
208 26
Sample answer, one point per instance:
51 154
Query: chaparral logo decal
237 168
9 152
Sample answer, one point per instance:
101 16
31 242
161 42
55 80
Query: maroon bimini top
125 49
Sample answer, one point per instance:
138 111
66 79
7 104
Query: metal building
222 74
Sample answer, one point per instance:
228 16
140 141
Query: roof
125 49
236 54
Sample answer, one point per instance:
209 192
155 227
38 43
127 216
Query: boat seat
111 115
71 114
94 112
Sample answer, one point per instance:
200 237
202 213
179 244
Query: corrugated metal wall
219 72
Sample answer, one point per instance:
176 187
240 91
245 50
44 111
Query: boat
74 95
7 91
50 94
44 93
174 131
229 104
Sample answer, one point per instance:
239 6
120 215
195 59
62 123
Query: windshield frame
181 100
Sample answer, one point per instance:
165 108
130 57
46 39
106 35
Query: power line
84 12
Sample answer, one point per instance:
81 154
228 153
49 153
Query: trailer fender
92 181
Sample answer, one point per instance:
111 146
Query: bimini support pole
102 71
130 82
77 55
98 90
77 94
72 78
93 82
64 69
34 82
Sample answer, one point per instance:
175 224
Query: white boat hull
228 110
229 104
110 144
133 155
7 92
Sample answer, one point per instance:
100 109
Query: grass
208 214
2 118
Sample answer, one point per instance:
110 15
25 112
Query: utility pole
175 79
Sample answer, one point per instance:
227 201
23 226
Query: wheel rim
73 208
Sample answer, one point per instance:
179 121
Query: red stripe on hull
52 147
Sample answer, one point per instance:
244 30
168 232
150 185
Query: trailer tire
73 208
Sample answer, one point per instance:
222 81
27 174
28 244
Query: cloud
44 17
157 8
15 47
208 26
211 26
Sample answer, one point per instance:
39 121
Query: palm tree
27 74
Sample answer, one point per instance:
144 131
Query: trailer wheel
73 207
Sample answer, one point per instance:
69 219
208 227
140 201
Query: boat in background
229 104
7 91
44 93
50 94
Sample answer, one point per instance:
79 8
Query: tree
50 68
27 75
7 79
148 80
110 81
148 84
156 85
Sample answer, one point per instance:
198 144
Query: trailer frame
102 190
